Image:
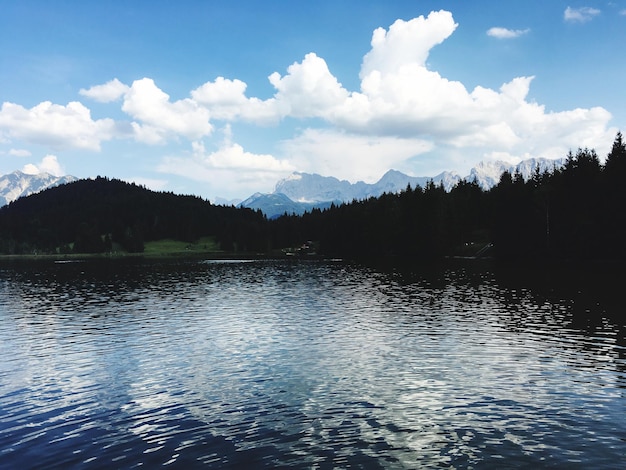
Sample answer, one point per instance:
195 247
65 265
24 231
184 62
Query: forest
574 212
96 215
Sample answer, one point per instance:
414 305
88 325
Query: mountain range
18 184
301 192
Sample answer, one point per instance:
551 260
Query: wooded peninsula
573 212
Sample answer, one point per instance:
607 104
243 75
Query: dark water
308 365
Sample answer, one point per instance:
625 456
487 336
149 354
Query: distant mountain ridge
301 192
307 188
276 204
487 174
17 184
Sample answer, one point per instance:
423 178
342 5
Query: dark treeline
90 216
574 212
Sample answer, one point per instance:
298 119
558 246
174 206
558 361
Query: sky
222 99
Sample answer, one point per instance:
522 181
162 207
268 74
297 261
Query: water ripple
300 364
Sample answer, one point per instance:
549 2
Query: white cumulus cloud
407 42
232 156
505 33
226 100
349 156
580 15
19 153
308 89
56 126
112 90
229 169
159 118
31 169
49 164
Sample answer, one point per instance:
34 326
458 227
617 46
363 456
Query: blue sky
222 99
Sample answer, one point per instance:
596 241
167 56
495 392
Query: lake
309 364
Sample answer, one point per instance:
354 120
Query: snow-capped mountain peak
306 187
307 190
487 174
17 184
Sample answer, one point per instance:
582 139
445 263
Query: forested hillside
90 216
573 212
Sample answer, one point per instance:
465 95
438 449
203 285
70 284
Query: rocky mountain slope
17 184
300 192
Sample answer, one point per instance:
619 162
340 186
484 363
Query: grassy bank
168 247
204 247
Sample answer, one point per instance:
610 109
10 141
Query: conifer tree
616 159
614 201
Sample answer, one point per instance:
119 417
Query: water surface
121 364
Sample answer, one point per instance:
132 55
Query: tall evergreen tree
614 201
616 159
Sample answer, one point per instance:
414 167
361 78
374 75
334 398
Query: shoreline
208 255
